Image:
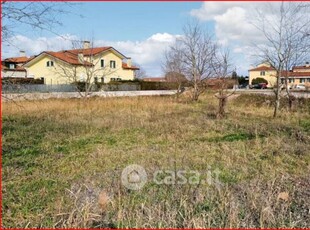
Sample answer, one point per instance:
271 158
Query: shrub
259 80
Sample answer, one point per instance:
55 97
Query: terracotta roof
301 67
17 59
262 68
17 68
68 57
90 51
299 74
125 66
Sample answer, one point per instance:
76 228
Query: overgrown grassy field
58 155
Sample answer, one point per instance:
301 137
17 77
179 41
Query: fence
29 88
134 86
112 86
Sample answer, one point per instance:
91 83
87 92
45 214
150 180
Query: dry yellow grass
59 155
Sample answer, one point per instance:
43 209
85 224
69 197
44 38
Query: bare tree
140 73
36 15
222 72
174 66
192 56
286 30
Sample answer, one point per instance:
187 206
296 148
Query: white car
300 86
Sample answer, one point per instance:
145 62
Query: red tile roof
17 68
301 67
262 68
68 57
125 66
17 59
299 74
90 51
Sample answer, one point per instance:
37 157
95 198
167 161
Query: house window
112 64
96 79
308 79
102 63
113 79
102 79
262 73
49 63
302 80
12 66
118 79
291 80
82 77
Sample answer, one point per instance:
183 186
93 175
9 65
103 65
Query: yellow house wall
269 76
108 72
55 75
50 74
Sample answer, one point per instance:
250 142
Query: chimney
81 57
129 62
86 44
307 64
22 53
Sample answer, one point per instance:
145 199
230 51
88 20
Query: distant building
13 67
67 66
298 74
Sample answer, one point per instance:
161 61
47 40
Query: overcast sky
143 30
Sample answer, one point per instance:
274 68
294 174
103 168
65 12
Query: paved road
40 96
270 92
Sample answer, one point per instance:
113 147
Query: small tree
259 80
242 80
140 73
286 28
173 67
192 56
222 72
38 16
35 15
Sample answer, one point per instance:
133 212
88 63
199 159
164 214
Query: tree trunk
196 92
222 104
291 100
277 99
179 90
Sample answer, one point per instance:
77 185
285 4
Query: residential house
99 64
13 67
298 74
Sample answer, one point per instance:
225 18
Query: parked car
259 86
300 87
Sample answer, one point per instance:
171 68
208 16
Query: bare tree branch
286 29
192 56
